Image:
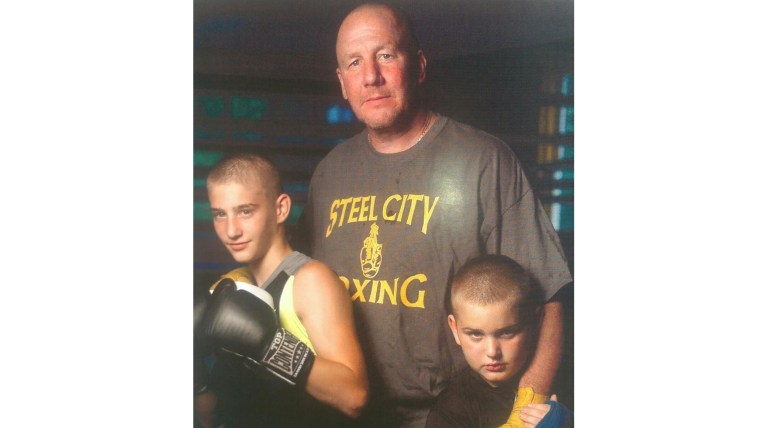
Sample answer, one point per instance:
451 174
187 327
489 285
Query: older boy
311 305
495 317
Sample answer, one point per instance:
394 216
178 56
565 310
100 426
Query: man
398 208
249 212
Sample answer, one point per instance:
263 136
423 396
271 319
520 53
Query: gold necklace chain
425 129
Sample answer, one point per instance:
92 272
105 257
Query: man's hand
525 396
532 413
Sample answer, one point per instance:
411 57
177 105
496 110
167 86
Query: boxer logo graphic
371 255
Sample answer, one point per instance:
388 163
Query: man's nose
372 74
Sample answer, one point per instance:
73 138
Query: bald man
399 207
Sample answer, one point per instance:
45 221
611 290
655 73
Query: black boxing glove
240 320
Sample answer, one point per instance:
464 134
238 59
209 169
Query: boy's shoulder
315 281
313 271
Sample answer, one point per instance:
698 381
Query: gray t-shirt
395 227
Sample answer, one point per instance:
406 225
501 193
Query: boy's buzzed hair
246 168
496 278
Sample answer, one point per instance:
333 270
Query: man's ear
282 206
421 67
340 79
453 327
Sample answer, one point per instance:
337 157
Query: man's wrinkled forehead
367 20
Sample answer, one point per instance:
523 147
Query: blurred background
264 81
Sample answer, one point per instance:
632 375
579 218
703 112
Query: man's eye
353 63
475 335
246 212
386 56
217 215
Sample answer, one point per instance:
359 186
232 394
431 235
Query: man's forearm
543 368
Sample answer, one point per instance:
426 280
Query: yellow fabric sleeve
525 395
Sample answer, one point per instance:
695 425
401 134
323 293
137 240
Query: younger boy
308 307
495 317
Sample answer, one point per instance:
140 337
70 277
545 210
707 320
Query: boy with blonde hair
281 326
495 314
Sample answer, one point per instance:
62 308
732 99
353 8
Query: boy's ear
283 207
453 327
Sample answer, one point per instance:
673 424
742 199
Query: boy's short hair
497 278
247 168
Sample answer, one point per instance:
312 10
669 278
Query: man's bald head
395 17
